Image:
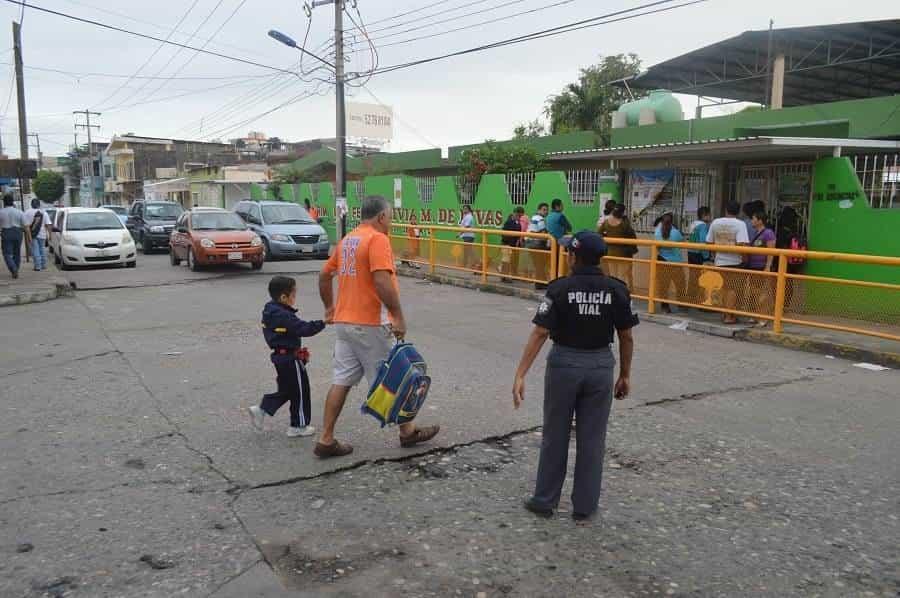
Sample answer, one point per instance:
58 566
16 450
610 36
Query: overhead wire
608 18
361 26
296 99
152 55
145 36
84 75
449 10
409 12
473 25
177 52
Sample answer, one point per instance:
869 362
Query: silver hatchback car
286 229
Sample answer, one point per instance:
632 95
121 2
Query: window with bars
584 184
425 185
360 188
466 189
519 186
879 175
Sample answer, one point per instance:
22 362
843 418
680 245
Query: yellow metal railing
777 296
435 246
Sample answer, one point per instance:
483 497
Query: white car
92 237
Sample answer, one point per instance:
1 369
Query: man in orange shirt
367 314
312 210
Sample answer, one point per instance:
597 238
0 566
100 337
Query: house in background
224 186
135 160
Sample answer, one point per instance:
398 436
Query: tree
492 157
73 164
530 130
49 186
588 104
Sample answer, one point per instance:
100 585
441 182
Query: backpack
399 389
37 223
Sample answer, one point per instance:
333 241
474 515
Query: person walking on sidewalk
12 225
732 232
367 314
36 224
579 313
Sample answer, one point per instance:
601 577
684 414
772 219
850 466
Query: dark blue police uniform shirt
582 310
282 329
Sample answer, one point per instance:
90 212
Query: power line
147 36
85 75
152 55
443 12
177 52
194 56
294 100
413 11
467 27
597 21
361 26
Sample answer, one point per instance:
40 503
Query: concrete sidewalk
31 286
847 345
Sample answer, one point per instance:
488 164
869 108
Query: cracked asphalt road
129 469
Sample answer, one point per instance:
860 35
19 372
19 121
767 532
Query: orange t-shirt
358 255
313 212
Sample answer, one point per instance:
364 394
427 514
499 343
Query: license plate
307 249
101 253
235 255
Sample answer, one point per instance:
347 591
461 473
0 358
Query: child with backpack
284 332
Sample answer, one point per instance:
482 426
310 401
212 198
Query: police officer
579 313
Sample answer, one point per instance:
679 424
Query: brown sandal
419 436
335 449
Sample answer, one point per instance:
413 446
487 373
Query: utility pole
89 126
340 162
37 143
24 184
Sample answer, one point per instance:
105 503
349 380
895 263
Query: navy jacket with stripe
282 329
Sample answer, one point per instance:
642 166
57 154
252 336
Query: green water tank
665 106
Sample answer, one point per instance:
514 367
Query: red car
210 236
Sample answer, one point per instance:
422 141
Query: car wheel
175 261
192 261
267 252
56 259
257 265
62 262
131 264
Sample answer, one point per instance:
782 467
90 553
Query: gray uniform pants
579 383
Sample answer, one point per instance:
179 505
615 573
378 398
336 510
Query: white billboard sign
370 121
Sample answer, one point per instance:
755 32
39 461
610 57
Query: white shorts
358 351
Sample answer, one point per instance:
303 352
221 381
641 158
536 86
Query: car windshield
217 221
93 221
117 210
163 211
288 213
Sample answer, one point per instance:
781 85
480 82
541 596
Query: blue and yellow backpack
399 388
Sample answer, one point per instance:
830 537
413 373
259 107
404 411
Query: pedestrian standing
467 221
311 210
12 226
36 224
284 332
579 313
729 231
673 275
413 235
617 226
763 236
557 223
608 208
539 247
509 253
366 316
697 234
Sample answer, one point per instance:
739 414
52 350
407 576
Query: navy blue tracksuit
284 333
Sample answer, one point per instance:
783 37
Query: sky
147 88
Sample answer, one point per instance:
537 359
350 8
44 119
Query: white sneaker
304 431
257 416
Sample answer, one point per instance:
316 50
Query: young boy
284 333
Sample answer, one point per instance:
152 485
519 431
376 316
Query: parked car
120 211
54 237
286 229
151 223
209 236
92 237
51 217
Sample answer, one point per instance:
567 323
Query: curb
60 288
823 347
738 333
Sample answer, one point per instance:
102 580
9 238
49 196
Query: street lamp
340 161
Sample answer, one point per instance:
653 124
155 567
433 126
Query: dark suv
151 222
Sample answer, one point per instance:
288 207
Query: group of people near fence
681 270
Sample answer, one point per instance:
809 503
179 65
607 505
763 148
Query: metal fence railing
777 296
525 257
